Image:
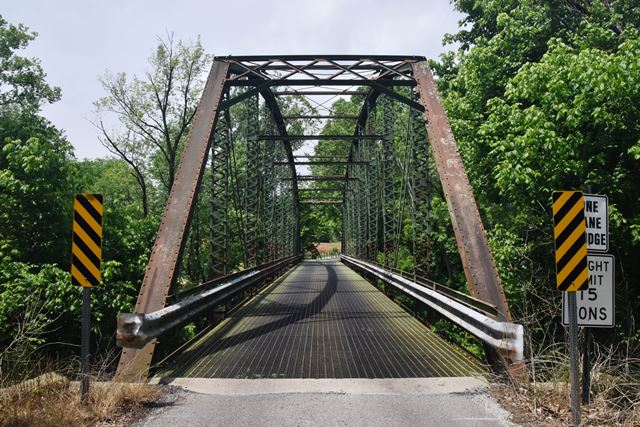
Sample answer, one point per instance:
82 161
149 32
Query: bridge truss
239 174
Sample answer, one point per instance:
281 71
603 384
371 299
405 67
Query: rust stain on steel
477 260
167 250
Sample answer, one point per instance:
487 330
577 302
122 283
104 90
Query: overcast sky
81 39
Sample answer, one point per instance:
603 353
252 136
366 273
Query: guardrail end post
517 367
129 332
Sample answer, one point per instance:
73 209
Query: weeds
52 400
545 399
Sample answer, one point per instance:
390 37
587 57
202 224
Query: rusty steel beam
321 178
322 162
249 58
319 93
324 190
320 82
167 251
321 117
313 156
320 202
315 137
324 67
477 260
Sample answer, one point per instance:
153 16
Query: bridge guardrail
137 329
474 303
505 336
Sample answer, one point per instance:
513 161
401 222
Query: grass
52 400
549 405
545 400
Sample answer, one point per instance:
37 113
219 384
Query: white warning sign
596 214
596 306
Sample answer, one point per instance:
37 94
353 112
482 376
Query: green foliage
44 293
154 114
39 308
34 157
32 284
33 208
22 84
544 96
45 287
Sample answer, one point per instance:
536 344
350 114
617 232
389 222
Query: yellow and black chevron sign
570 232
87 240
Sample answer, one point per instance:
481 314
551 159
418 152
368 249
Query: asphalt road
325 402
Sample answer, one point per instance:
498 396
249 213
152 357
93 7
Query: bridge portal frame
295 75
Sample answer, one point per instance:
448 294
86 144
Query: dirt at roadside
552 408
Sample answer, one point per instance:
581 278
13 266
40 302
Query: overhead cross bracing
321 201
240 175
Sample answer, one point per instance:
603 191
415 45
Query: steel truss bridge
229 243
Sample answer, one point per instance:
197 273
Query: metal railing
137 329
505 336
475 303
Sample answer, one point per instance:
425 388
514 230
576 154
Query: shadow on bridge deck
322 321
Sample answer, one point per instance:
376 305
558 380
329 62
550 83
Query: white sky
81 39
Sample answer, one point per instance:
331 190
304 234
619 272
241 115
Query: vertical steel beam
373 192
219 219
349 222
287 228
269 193
280 210
281 127
167 251
252 175
421 189
388 185
363 213
264 163
477 260
348 201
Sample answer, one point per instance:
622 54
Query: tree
543 95
154 113
22 80
34 157
38 177
35 200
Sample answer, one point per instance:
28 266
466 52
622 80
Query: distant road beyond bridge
322 321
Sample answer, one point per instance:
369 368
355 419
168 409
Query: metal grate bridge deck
322 321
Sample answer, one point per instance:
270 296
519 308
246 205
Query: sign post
572 274
595 309
573 354
84 344
86 250
586 367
